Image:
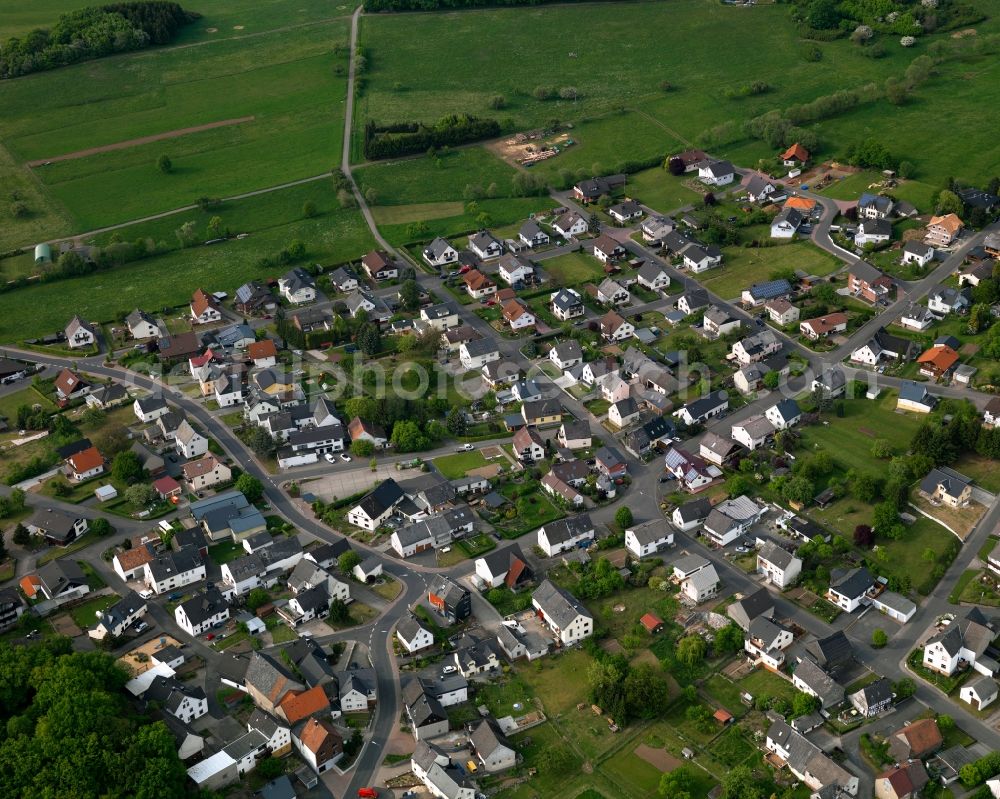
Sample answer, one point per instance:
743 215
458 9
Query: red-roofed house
319 744
902 782
70 386
263 353
938 361
167 487
204 308
297 706
85 464
796 155
478 285
823 326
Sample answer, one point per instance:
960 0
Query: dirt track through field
124 145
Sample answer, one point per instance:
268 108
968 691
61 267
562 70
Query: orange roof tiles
296 707
264 348
940 356
30 584
950 223
800 203
796 151
86 460
201 302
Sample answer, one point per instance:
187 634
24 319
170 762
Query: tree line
408 138
93 32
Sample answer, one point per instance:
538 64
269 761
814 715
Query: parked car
466 448
174 596
449 670
210 637
141 627
329 458
345 457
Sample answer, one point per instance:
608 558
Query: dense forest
93 33
68 730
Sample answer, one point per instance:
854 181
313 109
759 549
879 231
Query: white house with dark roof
766 642
784 414
753 432
440 253
716 173
848 588
413 636
532 235
570 224
478 353
653 276
917 252
965 640
566 355
778 565
648 538
376 506
701 585
569 621
979 692
485 245
691 514
809 678
566 534
611 292
80 333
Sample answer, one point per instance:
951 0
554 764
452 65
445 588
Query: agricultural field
332 236
276 100
621 111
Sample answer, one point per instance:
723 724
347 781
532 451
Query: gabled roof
951 482
824 686
864 271
852 583
796 152
558 604
950 223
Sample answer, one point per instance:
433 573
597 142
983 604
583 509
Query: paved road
642 497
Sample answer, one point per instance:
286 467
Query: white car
449 670
329 458
345 457
145 594
466 448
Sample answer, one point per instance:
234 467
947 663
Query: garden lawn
573 268
9 403
226 552
762 682
85 615
454 466
742 267
660 190
982 470
980 589
849 438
